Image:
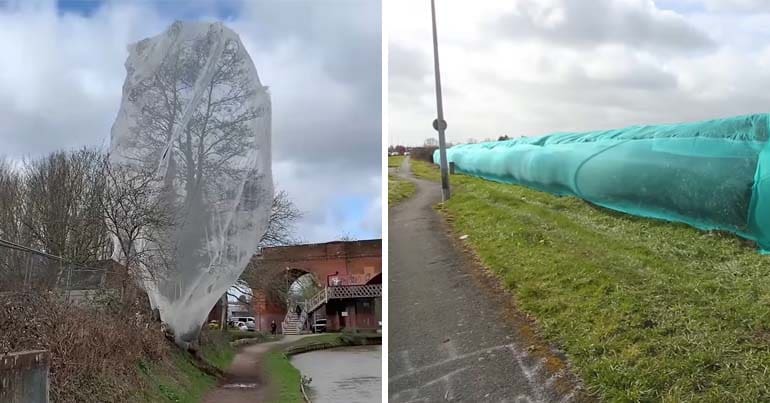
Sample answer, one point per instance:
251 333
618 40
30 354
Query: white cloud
738 5
570 69
61 75
633 23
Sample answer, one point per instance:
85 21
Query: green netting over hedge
711 175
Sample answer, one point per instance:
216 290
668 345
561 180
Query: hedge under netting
711 174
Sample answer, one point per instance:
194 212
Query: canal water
349 374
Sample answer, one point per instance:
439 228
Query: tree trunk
223 315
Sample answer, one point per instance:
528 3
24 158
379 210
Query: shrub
95 351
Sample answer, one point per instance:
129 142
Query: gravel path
453 334
244 382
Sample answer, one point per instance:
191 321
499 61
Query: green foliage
646 310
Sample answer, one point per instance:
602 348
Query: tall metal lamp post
439 124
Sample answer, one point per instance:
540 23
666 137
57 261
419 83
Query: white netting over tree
196 119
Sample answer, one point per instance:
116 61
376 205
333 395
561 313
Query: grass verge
645 310
177 380
395 161
285 379
398 189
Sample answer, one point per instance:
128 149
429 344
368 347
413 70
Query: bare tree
280 232
217 133
137 220
203 151
61 208
56 210
12 262
281 225
11 195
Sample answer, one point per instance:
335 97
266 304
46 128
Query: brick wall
355 262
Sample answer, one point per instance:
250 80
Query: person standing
273 327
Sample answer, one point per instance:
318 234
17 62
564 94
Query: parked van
249 321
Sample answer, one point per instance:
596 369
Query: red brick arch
333 263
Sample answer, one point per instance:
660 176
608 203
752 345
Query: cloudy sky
61 73
529 67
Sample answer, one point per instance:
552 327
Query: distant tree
61 208
400 149
12 229
281 230
503 138
281 224
11 196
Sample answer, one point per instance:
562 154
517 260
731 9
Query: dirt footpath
244 381
454 336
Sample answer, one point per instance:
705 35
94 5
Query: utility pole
439 124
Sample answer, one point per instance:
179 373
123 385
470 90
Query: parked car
319 326
241 326
248 321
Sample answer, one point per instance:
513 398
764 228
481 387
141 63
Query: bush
423 153
95 352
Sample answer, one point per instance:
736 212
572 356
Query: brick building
348 272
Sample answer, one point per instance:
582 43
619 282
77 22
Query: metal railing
317 300
350 279
356 291
23 268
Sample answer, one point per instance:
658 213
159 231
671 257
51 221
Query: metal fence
23 268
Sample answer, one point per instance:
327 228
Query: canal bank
343 374
264 372
285 378
247 380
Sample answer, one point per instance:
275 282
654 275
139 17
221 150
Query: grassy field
645 310
398 189
395 161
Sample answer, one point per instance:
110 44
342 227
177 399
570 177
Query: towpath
454 334
244 381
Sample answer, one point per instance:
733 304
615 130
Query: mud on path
244 381
454 333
